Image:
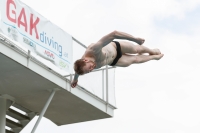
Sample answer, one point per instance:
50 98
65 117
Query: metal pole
2 115
70 88
44 110
28 58
103 84
107 100
92 71
79 42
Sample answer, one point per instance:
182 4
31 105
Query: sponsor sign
24 25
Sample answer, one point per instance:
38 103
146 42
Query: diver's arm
75 80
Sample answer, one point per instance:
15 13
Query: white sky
155 97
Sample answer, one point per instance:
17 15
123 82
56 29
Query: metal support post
28 58
5 102
44 110
2 115
103 84
70 88
107 100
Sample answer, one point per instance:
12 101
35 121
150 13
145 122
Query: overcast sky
154 97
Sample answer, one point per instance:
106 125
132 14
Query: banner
24 25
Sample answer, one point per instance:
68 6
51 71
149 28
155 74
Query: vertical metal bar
70 88
44 110
2 115
28 58
107 100
103 84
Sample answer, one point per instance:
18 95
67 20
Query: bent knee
133 59
136 60
138 49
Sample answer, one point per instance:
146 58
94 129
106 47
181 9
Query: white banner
24 25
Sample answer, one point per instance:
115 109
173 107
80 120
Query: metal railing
69 77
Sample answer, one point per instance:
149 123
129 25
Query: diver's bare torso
103 57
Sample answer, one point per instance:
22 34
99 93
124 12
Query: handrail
79 42
101 69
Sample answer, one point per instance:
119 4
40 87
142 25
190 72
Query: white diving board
30 83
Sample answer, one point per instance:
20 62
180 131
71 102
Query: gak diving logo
28 22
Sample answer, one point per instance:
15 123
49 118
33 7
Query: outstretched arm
116 35
75 80
123 35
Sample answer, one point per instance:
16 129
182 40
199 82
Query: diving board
30 83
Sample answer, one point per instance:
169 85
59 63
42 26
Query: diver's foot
158 57
156 52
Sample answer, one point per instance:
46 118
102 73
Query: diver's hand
74 83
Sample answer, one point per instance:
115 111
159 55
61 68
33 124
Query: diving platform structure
30 85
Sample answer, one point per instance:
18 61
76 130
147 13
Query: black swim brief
119 53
